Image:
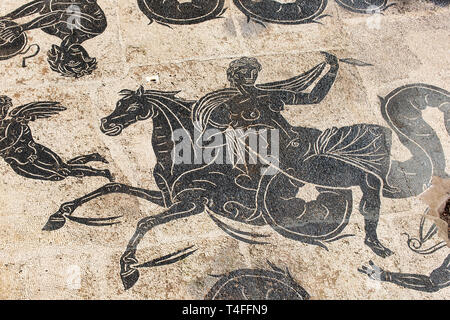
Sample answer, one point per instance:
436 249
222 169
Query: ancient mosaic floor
98 108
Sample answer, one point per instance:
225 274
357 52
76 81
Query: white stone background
411 45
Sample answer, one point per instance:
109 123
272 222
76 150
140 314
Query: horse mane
155 94
177 111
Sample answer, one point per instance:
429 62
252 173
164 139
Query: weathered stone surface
408 44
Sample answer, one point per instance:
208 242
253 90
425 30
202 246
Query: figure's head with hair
73 61
243 71
5 104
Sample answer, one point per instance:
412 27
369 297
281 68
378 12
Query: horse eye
295 144
132 108
19 150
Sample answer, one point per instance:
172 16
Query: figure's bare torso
12 131
244 111
9 129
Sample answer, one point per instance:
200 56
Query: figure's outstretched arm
417 282
321 88
26 10
439 278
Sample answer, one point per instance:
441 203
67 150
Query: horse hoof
55 222
129 278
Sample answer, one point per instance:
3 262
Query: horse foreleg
66 210
370 209
128 262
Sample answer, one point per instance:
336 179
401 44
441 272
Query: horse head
132 108
142 105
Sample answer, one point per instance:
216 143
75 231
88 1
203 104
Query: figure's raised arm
292 91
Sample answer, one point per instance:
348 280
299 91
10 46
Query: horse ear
141 91
125 92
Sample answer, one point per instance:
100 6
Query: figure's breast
254 110
249 114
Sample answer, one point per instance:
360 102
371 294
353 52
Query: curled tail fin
402 110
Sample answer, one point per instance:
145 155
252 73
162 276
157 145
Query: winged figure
33 160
